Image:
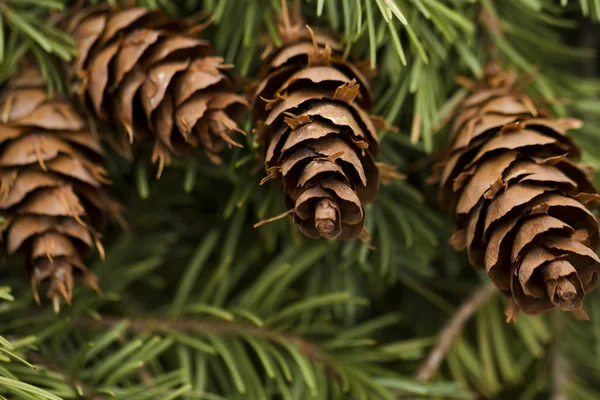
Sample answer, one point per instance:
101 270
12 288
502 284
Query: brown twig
452 329
559 367
189 326
492 28
560 376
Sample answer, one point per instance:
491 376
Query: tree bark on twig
452 329
560 376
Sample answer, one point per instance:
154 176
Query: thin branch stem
492 27
560 376
189 326
452 329
559 365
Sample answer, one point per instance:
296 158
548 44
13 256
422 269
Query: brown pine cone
312 110
52 194
520 201
152 78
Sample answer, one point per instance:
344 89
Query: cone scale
521 201
153 79
52 185
312 107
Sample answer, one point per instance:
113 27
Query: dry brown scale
520 201
152 78
52 196
312 109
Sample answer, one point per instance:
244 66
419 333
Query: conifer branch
188 326
304 294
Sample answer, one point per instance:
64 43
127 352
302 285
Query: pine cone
152 78
321 142
51 185
519 199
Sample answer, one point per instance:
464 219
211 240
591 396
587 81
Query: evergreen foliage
197 304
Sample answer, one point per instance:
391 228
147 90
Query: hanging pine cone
51 185
152 78
519 199
312 107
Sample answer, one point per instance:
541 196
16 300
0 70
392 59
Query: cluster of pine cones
520 201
